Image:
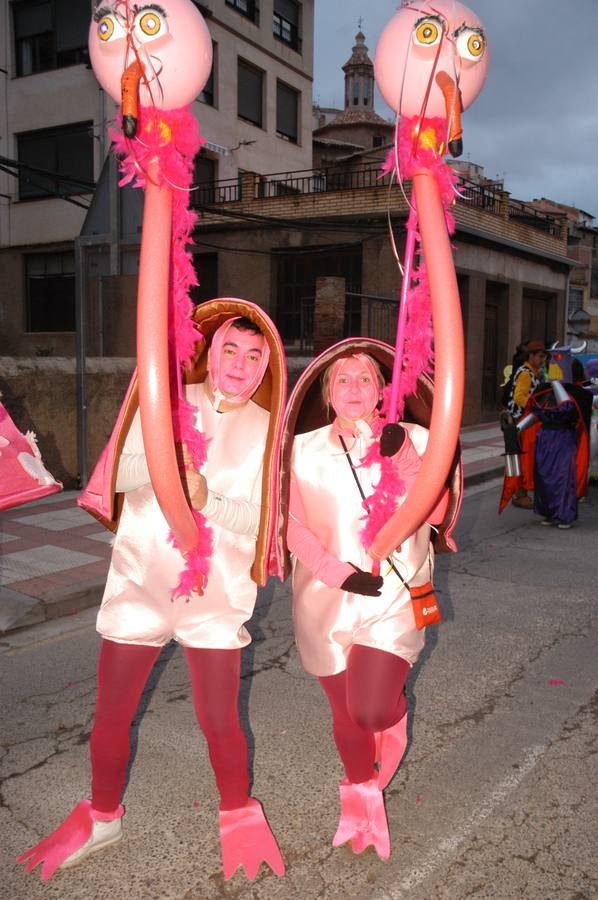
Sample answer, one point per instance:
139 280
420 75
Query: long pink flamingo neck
448 375
153 359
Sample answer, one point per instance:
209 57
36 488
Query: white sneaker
102 835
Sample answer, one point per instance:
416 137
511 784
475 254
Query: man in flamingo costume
207 398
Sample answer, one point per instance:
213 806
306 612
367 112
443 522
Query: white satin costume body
329 620
137 607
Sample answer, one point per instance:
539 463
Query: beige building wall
68 95
243 145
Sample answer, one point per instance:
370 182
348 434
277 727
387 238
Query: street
496 797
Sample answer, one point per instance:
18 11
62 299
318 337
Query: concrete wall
41 396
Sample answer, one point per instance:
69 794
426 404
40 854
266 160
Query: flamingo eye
428 31
109 28
150 23
471 43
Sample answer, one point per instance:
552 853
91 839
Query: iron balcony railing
249 186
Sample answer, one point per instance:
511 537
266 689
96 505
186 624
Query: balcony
363 191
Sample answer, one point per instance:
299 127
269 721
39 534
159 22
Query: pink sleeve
438 513
303 544
409 464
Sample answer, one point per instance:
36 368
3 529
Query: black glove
391 439
364 583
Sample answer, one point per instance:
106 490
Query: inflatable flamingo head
160 53
431 61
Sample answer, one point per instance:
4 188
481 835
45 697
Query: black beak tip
456 147
129 126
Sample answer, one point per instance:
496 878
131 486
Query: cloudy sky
536 121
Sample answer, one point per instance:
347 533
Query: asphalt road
496 797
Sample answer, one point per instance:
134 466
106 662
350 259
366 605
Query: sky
535 123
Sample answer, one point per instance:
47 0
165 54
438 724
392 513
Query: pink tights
123 670
367 697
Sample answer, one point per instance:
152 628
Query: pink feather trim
382 503
173 137
412 155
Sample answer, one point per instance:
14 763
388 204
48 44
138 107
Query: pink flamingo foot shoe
247 840
363 818
84 831
390 749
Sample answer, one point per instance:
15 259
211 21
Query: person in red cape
528 448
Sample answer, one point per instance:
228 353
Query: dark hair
519 357
243 323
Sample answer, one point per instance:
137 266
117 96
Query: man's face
538 359
239 360
354 392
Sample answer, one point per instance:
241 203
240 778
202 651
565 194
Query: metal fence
377 315
251 186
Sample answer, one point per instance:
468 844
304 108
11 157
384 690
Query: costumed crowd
547 424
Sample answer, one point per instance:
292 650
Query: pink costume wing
98 497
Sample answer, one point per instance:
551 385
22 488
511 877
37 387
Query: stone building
255 112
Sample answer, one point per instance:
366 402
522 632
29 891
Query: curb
21 611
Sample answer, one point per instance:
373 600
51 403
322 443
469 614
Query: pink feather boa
173 137
413 154
382 503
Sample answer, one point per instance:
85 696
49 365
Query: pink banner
23 476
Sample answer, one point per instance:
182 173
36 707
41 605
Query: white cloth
328 620
137 606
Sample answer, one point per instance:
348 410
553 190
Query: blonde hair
327 376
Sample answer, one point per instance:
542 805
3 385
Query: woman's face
354 391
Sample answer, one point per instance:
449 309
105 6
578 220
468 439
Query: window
285 23
575 301
377 140
287 109
247 8
55 161
204 176
206 269
208 95
50 291
250 91
49 34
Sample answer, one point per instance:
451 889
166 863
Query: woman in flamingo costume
208 398
356 628
356 631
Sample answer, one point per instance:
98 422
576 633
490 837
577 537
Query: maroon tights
367 697
123 670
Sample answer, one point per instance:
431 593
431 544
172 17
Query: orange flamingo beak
129 85
452 99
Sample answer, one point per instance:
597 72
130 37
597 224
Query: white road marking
448 848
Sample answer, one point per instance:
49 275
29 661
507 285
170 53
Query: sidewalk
54 556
